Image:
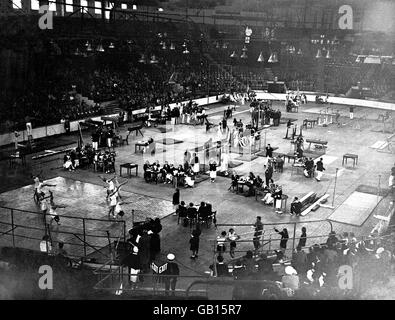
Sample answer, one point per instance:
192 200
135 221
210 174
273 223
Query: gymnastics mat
233 164
356 209
378 144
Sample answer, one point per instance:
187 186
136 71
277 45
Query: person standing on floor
213 170
269 151
132 262
154 245
320 169
303 238
258 225
284 238
176 201
196 164
232 237
268 174
145 250
171 274
194 244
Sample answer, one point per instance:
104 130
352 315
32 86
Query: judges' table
140 144
289 156
128 167
352 156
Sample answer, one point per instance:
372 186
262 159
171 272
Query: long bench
49 153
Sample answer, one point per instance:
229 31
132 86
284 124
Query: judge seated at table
203 212
189 178
192 212
182 211
147 171
269 197
318 99
150 148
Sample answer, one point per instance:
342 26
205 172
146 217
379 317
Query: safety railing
120 281
82 237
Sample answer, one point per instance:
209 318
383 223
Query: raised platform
84 216
356 209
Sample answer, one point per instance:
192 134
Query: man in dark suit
269 151
221 268
182 212
176 200
171 274
192 214
268 174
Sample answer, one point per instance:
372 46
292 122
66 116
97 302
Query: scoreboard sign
346 17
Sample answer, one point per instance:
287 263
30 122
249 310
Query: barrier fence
270 240
82 237
119 281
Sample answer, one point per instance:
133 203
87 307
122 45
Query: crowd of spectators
313 271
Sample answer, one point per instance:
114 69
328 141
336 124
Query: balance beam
318 202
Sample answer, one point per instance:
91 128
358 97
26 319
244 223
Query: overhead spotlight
319 54
153 60
77 52
233 55
100 48
244 49
243 55
225 46
186 51
89 47
184 44
328 55
142 59
111 46
300 52
172 46
164 45
275 58
260 58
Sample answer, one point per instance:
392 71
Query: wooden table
128 167
310 122
298 167
140 144
289 155
153 175
242 184
317 142
352 156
